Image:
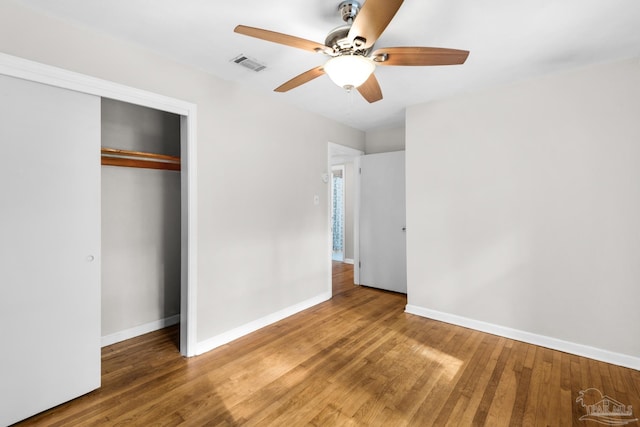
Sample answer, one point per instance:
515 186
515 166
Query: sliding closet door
49 247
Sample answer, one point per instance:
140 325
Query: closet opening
141 220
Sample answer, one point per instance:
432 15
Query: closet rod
138 159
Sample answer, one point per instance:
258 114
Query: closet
62 212
140 224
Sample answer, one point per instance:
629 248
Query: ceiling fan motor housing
337 38
338 41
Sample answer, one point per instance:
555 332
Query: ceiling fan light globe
349 71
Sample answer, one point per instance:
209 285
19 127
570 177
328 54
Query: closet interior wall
140 224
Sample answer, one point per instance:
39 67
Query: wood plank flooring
356 360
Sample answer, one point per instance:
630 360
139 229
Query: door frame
41 73
337 154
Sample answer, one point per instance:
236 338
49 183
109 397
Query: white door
49 247
383 252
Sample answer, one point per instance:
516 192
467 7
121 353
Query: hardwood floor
342 278
356 360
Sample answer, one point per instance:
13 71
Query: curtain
337 213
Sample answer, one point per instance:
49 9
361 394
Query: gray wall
385 140
262 243
523 207
132 127
140 220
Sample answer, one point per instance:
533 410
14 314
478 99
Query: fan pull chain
349 95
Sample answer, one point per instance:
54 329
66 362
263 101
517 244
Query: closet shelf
138 159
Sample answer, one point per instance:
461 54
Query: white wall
262 241
523 207
385 140
140 221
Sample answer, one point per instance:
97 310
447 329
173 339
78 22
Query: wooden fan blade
370 90
280 38
419 56
372 20
301 79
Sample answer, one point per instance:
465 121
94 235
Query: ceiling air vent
249 63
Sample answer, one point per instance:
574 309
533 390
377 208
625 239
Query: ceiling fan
352 63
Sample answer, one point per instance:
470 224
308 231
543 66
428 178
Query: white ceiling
509 40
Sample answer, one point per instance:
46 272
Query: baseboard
139 330
528 337
226 337
348 261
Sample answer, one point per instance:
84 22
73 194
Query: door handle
404 228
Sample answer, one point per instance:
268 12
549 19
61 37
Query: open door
383 251
49 247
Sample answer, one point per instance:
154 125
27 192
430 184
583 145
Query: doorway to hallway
343 189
